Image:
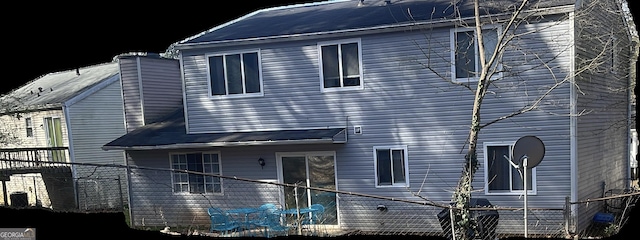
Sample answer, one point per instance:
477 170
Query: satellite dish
530 147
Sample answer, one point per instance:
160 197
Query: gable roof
170 133
54 89
348 16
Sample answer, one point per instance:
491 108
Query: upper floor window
466 61
196 162
340 65
391 166
235 74
28 123
500 175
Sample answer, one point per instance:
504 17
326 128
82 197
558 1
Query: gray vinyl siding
94 121
131 93
151 89
602 132
403 103
161 87
147 182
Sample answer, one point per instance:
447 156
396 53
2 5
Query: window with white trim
391 166
196 162
235 74
500 175
340 65
28 123
466 61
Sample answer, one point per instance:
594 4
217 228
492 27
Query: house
60 110
370 97
67 117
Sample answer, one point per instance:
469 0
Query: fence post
453 231
120 191
567 217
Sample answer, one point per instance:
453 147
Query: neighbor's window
29 126
340 66
196 162
466 61
501 176
236 74
391 166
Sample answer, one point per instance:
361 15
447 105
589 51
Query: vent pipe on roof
77 71
360 3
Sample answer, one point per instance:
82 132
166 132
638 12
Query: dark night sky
52 38
60 37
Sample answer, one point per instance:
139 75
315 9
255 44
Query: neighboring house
77 112
342 87
73 111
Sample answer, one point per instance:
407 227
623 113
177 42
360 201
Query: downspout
124 153
573 124
72 158
184 93
141 90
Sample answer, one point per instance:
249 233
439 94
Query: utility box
19 199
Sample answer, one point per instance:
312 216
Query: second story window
466 60
340 66
235 74
29 126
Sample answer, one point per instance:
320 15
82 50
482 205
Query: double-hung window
465 56
501 177
391 166
193 182
340 65
28 123
235 74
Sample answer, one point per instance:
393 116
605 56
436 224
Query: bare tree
516 20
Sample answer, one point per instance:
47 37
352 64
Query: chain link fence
162 198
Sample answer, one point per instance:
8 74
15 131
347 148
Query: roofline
350 32
224 144
95 88
254 13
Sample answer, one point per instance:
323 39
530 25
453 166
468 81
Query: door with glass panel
310 170
53 129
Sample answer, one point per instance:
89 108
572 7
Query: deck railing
32 157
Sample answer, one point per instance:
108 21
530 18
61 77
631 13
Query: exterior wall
403 103
602 131
151 89
17 128
153 201
162 87
131 93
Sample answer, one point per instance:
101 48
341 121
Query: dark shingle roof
170 133
333 16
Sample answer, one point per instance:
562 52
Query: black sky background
40 38
50 37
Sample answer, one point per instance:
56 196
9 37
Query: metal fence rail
158 201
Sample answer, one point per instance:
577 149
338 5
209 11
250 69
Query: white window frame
342 87
28 123
454 52
173 190
488 178
239 95
406 166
